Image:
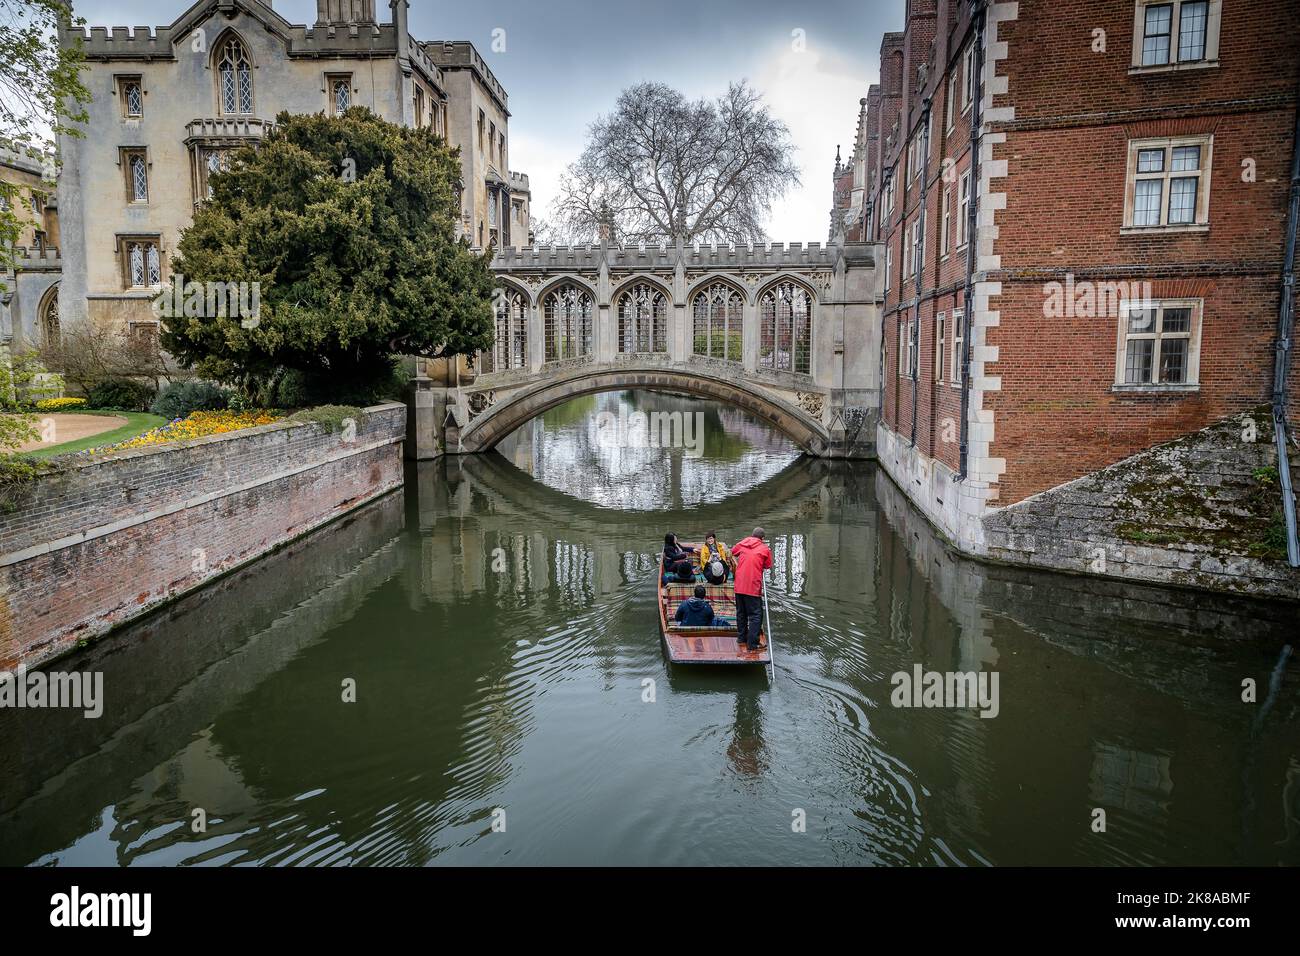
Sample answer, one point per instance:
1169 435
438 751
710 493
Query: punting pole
767 619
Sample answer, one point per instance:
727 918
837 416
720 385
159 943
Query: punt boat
715 644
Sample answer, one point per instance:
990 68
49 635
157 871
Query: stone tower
344 12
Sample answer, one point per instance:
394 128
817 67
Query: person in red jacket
752 557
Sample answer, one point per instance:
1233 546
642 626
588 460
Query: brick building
1103 272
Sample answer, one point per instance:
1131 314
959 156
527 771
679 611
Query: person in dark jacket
695 612
677 560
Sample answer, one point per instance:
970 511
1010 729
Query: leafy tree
660 166
349 225
41 93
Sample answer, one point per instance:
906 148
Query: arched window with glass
719 312
643 319
234 77
51 332
567 322
785 328
510 347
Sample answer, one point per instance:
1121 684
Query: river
495 623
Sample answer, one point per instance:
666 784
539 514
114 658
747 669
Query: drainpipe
972 218
1282 351
919 256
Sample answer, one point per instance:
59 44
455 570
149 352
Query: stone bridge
788 333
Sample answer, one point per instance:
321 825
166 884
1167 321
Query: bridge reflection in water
514 679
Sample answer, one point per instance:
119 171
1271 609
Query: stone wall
1203 511
101 543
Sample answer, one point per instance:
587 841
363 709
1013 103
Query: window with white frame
904 344
1159 343
889 263
135 164
339 88
918 253
945 232
963 208
952 96
1174 34
234 77
1168 182
958 334
940 330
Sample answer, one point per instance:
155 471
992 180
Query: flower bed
197 425
59 404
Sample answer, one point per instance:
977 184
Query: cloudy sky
565 61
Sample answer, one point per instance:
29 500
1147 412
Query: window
141 262
143 336
482 119
567 317
234 78
1159 343
492 141
952 96
889 263
785 328
502 151
132 93
51 333
719 323
918 250
1174 34
418 105
38 203
940 323
643 320
1168 183
510 344
968 78
339 88
135 164
211 161
963 208
38 241
945 233
906 349
958 334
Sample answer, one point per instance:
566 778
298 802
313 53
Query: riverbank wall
101 542
1200 512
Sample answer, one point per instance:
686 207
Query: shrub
121 394
178 399
59 404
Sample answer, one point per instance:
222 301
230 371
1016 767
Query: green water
501 633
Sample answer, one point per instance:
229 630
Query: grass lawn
136 423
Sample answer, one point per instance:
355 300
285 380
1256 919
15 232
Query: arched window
785 328
567 317
719 322
643 319
234 77
51 334
510 348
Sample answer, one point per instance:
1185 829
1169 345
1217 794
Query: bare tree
660 166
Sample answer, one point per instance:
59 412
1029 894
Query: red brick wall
1057 415
141 516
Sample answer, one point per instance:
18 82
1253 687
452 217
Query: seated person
695 612
715 560
677 559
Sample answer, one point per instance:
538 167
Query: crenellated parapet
357 40
461 54
29 259
771 256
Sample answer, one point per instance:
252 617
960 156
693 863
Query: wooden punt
705 645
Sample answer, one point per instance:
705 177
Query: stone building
29 306
170 102
1101 272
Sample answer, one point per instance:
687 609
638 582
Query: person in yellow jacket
715 560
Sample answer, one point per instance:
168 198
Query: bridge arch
495 423
702 283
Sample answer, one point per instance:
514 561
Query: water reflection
501 629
